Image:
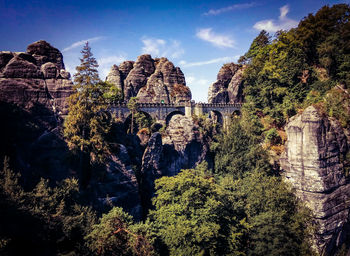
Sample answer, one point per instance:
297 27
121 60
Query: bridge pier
227 122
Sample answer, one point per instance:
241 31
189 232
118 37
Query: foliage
272 137
115 235
88 122
278 223
193 217
139 119
51 217
238 152
111 93
281 73
337 104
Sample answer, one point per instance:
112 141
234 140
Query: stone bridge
163 112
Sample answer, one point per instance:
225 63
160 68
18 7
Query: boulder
49 70
21 68
125 68
119 186
43 52
313 165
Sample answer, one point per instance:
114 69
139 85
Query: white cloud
160 47
283 23
229 8
105 64
218 40
82 42
207 62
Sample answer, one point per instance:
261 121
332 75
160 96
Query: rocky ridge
228 88
151 80
313 164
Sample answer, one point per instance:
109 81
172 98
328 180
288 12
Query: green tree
278 223
116 234
238 151
194 216
88 121
44 220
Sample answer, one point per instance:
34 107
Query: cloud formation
105 64
283 23
82 42
234 7
221 41
160 47
207 62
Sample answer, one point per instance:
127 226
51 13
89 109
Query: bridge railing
181 104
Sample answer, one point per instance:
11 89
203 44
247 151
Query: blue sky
198 36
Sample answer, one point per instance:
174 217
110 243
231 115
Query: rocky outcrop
119 186
34 87
114 77
183 145
151 170
228 88
35 78
151 80
313 164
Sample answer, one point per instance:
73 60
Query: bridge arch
236 113
127 122
216 116
171 114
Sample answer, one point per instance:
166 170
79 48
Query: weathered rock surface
120 186
183 145
228 88
33 90
151 170
34 87
114 77
151 80
313 164
35 78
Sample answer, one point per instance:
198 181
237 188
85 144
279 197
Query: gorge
132 166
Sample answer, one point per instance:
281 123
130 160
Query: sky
198 36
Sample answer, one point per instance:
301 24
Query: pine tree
88 122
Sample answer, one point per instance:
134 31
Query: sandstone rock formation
228 88
313 164
119 186
151 170
183 144
35 78
34 87
33 91
151 80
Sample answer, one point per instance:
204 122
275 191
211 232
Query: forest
239 205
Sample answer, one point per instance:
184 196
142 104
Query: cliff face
151 80
35 77
33 89
228 88
182 146
313 164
